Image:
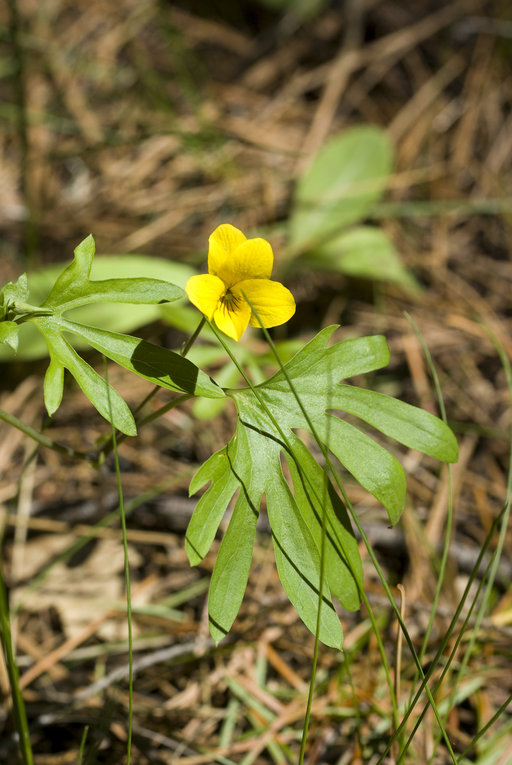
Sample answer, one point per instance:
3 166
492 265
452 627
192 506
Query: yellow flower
238 280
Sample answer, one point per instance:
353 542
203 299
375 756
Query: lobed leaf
152 362
344 359
136 291
231 570
75 275
407 424
12 293
298 563
318 502
73 287
267 419
378 471
116 317
210 509
103 396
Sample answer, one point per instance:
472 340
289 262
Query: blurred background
148 124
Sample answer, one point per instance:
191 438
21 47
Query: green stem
311 692
449 515
496 716
127 581
19 712
95 460
187 345
434 663
41 439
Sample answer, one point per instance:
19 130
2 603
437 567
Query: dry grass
148 124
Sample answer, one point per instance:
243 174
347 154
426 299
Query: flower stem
187 345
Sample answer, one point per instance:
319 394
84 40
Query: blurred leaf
206 408
366 252
183 317
344 180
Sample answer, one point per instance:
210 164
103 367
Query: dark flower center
230 302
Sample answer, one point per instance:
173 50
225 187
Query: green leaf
231 571
53 386
75 275
142 290
344 180
407 424
315 384
9 334
378 471
298 563
268 417
12 293
350 357
207 408
73 288
317 500
103 396
366 252
152 362
116 317
210 509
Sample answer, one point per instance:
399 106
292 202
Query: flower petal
222 242
251 260
233 322
205 292
271 301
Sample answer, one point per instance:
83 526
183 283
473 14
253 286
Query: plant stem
19 712
187 345
10 419
127 581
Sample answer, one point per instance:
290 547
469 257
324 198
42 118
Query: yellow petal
253 259
205 292
271 301
222 242
233 322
